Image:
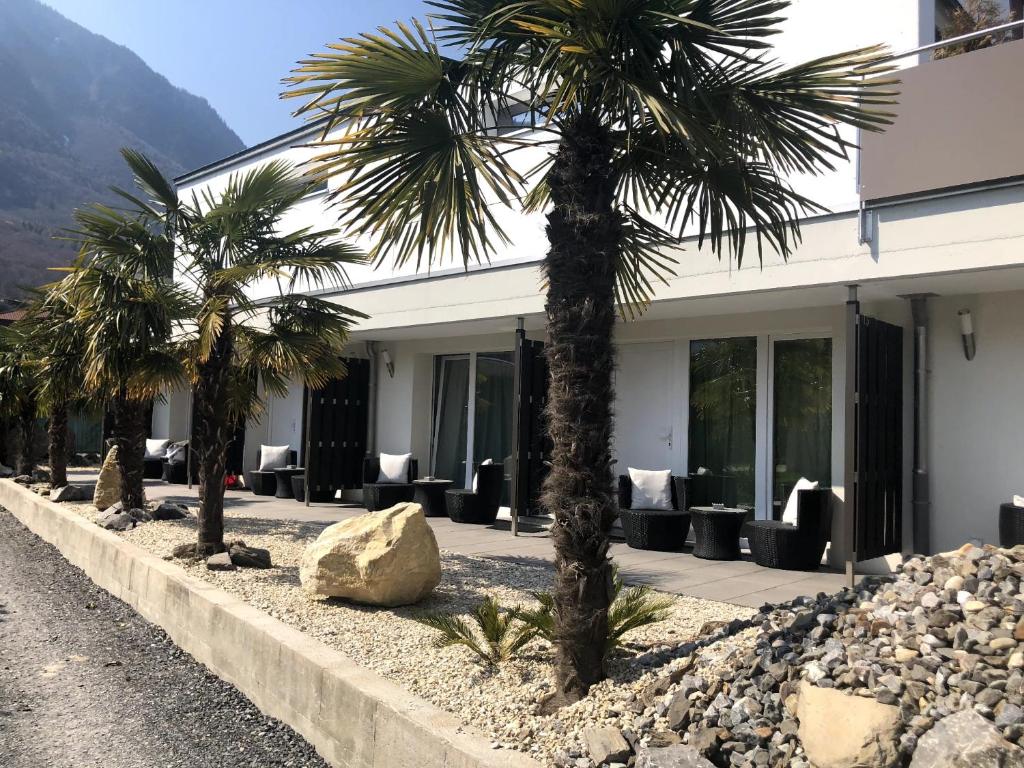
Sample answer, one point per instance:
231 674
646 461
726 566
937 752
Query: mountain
69 100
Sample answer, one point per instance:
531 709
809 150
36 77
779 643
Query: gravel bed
501 703
86 681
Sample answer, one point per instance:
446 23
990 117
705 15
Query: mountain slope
69 100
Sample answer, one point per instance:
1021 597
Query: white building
748 372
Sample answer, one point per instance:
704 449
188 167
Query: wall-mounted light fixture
386 357
967 331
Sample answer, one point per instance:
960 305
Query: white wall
170 416
976 444
284 419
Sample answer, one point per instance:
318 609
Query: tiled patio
740 582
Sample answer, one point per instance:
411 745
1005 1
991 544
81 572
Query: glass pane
451 420
492 431
803 416
723 403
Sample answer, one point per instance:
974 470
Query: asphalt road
85 681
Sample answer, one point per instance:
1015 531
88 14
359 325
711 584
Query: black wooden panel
532 444
879 438
337 432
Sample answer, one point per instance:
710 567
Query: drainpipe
920 493
371 405
850 459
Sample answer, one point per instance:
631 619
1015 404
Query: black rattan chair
655 529
152 469
775 544
1011 525
263 482
480 506
378 495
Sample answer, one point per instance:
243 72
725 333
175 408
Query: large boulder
383 558
842 731
965 740
108 484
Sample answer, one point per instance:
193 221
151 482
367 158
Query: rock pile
861 677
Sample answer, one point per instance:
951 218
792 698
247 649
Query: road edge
352 716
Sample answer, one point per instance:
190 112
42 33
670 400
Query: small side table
284 477
717 532
429 494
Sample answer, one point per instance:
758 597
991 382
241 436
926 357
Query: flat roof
284 139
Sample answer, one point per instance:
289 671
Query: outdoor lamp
386 357
967 331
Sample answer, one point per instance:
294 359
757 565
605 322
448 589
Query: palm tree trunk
58 446
584 232
211 433
130 437
26 458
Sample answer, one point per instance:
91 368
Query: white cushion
176 452
1018 501
477 473
156 449
394 468
274 456
652 488
803 484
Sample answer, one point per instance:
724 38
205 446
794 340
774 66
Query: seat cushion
789 515
394 468
651 488
156 449
476 475
274 456
176 453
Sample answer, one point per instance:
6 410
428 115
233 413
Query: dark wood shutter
338 418
530 435
879 455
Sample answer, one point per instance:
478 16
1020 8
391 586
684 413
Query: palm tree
661 117
58 341
128 310
227 344
18 392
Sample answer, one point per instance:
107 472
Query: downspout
920 492
850 459
371 404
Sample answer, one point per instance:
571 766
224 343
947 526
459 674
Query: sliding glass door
801 415
723 420
473 405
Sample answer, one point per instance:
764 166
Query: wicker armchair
1011 525
263 482
775 544
384 495
655 529
479 506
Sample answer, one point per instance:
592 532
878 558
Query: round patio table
429 494
717 532
284 477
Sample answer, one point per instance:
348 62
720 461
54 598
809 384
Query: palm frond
498 636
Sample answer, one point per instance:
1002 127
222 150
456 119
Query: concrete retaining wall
353 717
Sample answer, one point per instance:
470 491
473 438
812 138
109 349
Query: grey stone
68 493
249 557
117 521
965 740
605 744
675 756
220 562
170 511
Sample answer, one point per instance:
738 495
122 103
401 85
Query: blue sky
234 52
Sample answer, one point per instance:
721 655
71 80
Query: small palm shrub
631 608
498 634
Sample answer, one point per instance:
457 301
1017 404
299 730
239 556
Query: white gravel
500 703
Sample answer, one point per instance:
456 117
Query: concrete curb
353 717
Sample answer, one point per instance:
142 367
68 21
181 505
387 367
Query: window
723 406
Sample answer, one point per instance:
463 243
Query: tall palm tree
128 310
59 342
19 392
661 117
227 246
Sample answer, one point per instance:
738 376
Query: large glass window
723 405
802 415
472 423
451 416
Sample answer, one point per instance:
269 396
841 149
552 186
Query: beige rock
841 731
903 655
108 484
606 745
384 558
